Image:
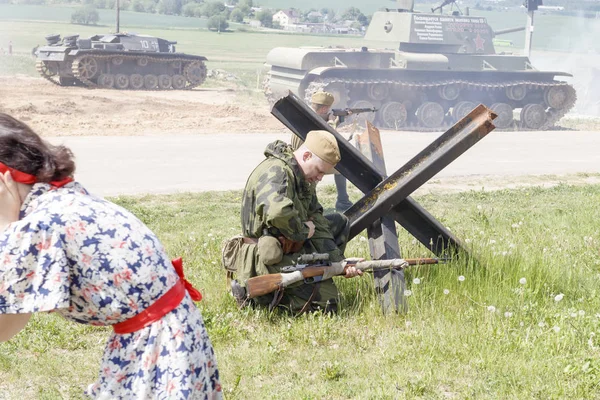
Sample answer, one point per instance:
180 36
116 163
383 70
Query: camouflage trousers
303 296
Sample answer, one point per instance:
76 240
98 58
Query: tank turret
118 61
425 71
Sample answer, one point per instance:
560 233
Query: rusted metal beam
388 194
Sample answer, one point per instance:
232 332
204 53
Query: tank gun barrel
509 30
444 4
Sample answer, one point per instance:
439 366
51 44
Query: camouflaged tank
119 61
428 71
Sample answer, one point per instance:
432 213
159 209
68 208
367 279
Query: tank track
43 71
552 115
88 83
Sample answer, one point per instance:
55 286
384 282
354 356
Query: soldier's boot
239 294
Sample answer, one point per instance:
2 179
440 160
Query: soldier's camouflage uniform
278 198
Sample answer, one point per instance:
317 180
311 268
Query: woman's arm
11 324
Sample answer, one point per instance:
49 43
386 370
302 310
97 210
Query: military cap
323 98
323 145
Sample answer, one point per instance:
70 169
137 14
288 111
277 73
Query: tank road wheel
117 60
378 91
449 92
556 96
87 67
150 81
462 109
142 62
164 82
533 116
121 81
178 82
136 81
431 114
516 93
505 117
106 81
195 72
393 115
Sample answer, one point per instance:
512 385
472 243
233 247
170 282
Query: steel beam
435 157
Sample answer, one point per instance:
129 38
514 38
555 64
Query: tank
425 71
119 61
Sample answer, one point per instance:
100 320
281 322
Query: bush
236 15
218 23
87 15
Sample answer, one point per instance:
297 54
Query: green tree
236 15
169 7
265 17
86 15
213 8
218 23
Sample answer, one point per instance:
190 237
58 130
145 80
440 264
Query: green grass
455 345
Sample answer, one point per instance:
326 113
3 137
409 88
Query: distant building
286 18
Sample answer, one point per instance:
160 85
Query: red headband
29 179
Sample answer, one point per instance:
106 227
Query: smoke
579 56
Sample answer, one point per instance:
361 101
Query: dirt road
57 111
129 142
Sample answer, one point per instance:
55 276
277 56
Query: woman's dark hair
22 149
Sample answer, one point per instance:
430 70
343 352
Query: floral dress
94 263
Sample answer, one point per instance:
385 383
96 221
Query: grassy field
523 324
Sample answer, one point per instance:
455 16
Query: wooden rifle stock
265 284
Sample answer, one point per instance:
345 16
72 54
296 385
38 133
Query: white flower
408 324
511 246
479 206
363 239
468 240
521 323
504 253
542 324
416 281
407 292
515 226
491 309
522 281
520 222
556 328
508 314
581 313
446 291
492 241
559 297
573 315
210 235
461 278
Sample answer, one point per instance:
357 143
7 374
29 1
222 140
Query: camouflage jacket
278 198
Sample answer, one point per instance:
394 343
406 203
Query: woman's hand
10 200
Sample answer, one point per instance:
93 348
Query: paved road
165 164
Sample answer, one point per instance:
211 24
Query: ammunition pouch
290 246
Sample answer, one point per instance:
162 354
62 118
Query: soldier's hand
351 272
311 228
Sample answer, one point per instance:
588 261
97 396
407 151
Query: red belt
161 307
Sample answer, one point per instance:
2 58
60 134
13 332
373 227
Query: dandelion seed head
542 324
559 297
416 281
468 240
407 292
515 226
522 281
210 235
363 239
492 241
479 206
556 328
461 278
581 313
508 314
521 323
491 309
504 253
446 291
408 324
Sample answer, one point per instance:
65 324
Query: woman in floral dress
93 262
